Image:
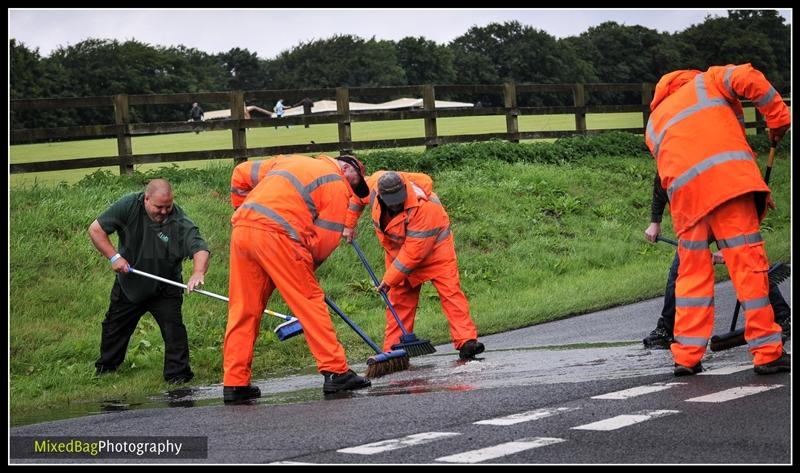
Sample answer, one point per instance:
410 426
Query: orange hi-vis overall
248 174
418 247
696 134
289 224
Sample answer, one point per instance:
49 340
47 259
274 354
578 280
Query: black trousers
122 318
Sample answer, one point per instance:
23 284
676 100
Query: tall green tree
243 69
759 37
29 78
425 62
779 36
510 51
619 53
343 60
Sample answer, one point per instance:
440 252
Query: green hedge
564 150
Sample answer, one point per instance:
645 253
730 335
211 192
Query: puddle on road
431 374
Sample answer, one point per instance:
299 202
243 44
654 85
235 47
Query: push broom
382 363
735 337
288 329
408 341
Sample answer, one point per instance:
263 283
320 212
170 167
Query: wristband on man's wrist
115 258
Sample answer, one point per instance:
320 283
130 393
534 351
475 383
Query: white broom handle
205 293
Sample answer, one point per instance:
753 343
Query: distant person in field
154 236
279 110
196 114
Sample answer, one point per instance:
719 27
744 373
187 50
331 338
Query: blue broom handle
352 325
200 291
377 284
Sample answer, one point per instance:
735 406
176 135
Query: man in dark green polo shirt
154 236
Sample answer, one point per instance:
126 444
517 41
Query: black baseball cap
361 190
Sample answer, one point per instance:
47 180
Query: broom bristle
376 369
778 273
417 348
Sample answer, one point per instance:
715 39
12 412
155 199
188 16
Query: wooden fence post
124 146
647 96
760 124
343 109
579 97
238 135
512 113
429 105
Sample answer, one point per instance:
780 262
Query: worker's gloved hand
652 232
776 134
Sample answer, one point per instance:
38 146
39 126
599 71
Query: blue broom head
414 346
288 329
387 355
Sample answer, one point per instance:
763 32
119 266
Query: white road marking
290 463
525 416
621 421
394 444
637 391
733 393
489 453
726 370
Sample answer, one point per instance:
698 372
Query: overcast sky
268 32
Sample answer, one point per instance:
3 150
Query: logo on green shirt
163 237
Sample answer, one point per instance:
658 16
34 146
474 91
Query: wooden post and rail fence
124 130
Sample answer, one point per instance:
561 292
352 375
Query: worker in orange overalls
414 229
288 225
696 134
248 174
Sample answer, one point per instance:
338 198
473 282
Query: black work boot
347 381
237 394
681 370
103 369
181 378
782 364
659 339
469 349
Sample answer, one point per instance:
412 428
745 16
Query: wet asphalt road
545 375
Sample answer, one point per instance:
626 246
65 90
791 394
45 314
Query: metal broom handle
205 293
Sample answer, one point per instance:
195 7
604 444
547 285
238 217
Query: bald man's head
158 200
158 186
